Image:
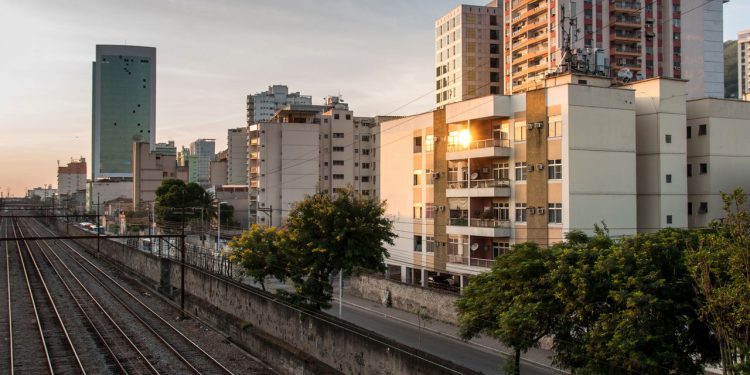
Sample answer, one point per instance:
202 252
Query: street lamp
218 225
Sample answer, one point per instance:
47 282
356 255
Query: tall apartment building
218 169
237 156
263 105
306 149
71 178
468 53
743 72
636 39
202 152
123 108
497 170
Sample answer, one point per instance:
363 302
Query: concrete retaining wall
291 340
435 303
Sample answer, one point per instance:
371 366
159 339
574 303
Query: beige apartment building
497 170
743 73
305 149
150 168
468 53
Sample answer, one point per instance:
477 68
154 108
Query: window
500 171
554 212
669 219
703 208
669 178
689 132
690 208
494 48
429 211
494 62
676 36
519 132
338 162
429 143
494 77
554 169
348 117
338 149
365 165
494 90
520 212
428 176
689 170
702 129
704 168
365 178
417 178
521 171
667 138
365 192
417 212
501 211
325 163
336 116
429 244
499 248
417 243
338 177
338 135
365 138
365 151
555 126
356 151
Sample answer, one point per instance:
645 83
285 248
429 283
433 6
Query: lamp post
218 225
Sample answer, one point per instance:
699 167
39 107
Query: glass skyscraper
123 108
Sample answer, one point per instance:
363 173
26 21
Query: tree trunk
517 360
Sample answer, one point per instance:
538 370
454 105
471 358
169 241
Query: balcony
480 149
627 51
254 170
254 155
479 227
626 22
625 36
478 188
530 12
625 6
469 261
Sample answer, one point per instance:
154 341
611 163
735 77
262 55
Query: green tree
513 302
629 307
328 233
720 264
262 253
174 197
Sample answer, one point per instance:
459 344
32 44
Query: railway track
137 339
39 341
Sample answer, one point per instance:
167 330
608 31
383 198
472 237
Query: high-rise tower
123 107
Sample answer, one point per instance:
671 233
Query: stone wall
291 340
437 304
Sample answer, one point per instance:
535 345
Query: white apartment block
718 156
743 73
202 152
306 149
468 53
498 170
237 156
263 105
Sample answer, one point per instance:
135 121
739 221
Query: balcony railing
625 5
481 223
486 183
476 262
484 143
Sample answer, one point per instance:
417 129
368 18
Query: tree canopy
176 200
323 234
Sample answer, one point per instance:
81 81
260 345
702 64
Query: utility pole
97 225
182 260
268 211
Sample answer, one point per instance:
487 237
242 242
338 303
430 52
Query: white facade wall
237 156
104 191
703 47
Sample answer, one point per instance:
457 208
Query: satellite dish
474 246
625 74
474 176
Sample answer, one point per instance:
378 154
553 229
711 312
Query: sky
378 55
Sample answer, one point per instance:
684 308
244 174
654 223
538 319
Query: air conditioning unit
531 126
436 176
540 166
530 168
540 210
539 125
441 208
531 210
436 139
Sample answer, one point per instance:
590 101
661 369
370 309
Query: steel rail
54 305
10 306
98 305
137 316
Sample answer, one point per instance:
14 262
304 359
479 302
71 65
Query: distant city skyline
378 56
